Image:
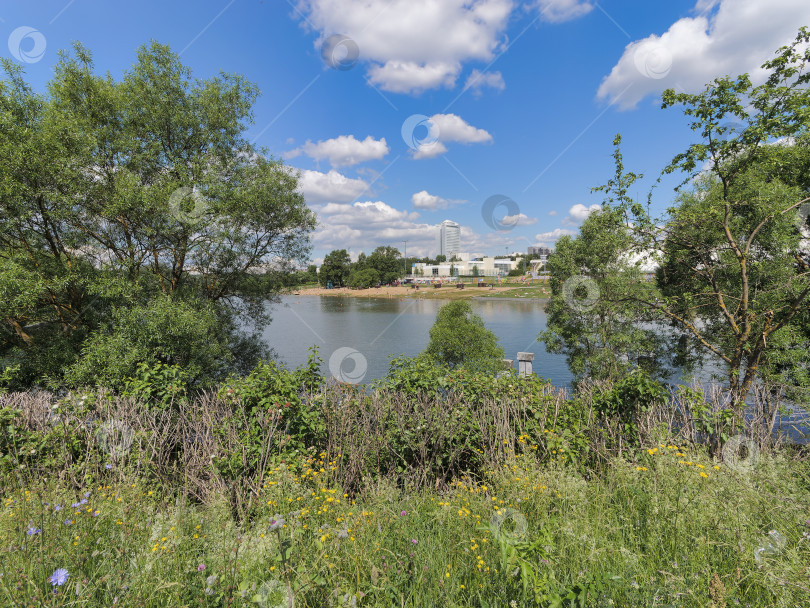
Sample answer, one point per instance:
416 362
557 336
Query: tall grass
665 523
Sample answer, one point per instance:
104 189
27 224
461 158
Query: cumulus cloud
365 225
343 151
556 11
478 80
424 200
725 37
409 46
552 213
320 187
544 238
578 213
519 219
445 128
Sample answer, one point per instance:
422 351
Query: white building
449 238
486 266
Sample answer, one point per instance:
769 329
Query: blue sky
499 98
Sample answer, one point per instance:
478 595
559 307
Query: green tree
386 261
592 315
363 279
335 268
312 273
459 338
123 193
735 276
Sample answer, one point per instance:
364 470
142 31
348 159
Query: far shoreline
446 292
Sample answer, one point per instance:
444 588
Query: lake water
379 328
357 337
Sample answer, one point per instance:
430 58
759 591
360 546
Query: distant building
449 238
543 251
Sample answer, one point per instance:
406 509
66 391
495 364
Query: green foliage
165 331
114 191
627 399
271 391
157 384
335 268
387 262
600 326
363 279
459 338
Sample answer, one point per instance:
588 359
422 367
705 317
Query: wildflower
32 530
201 567
276 523
403 513
414 541
59 577
57 508
702 474
108 466
68 522
211 580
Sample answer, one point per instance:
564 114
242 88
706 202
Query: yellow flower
702 474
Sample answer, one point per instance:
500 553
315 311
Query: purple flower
403 513
86 494
68 522
59 577
57 508
32 530
107 466
201 567
83 501
414 541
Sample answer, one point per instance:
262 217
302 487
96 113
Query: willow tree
117 195
734 276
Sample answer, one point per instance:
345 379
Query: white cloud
413 45
410 46
320 187
725 37
344 151
412 77
424 200
444 128
518 219
477 80
368 224
563 10
578 213
430 150
550 237
552 213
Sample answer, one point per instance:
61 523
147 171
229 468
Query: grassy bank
654 535
499 492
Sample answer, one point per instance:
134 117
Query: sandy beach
403 291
